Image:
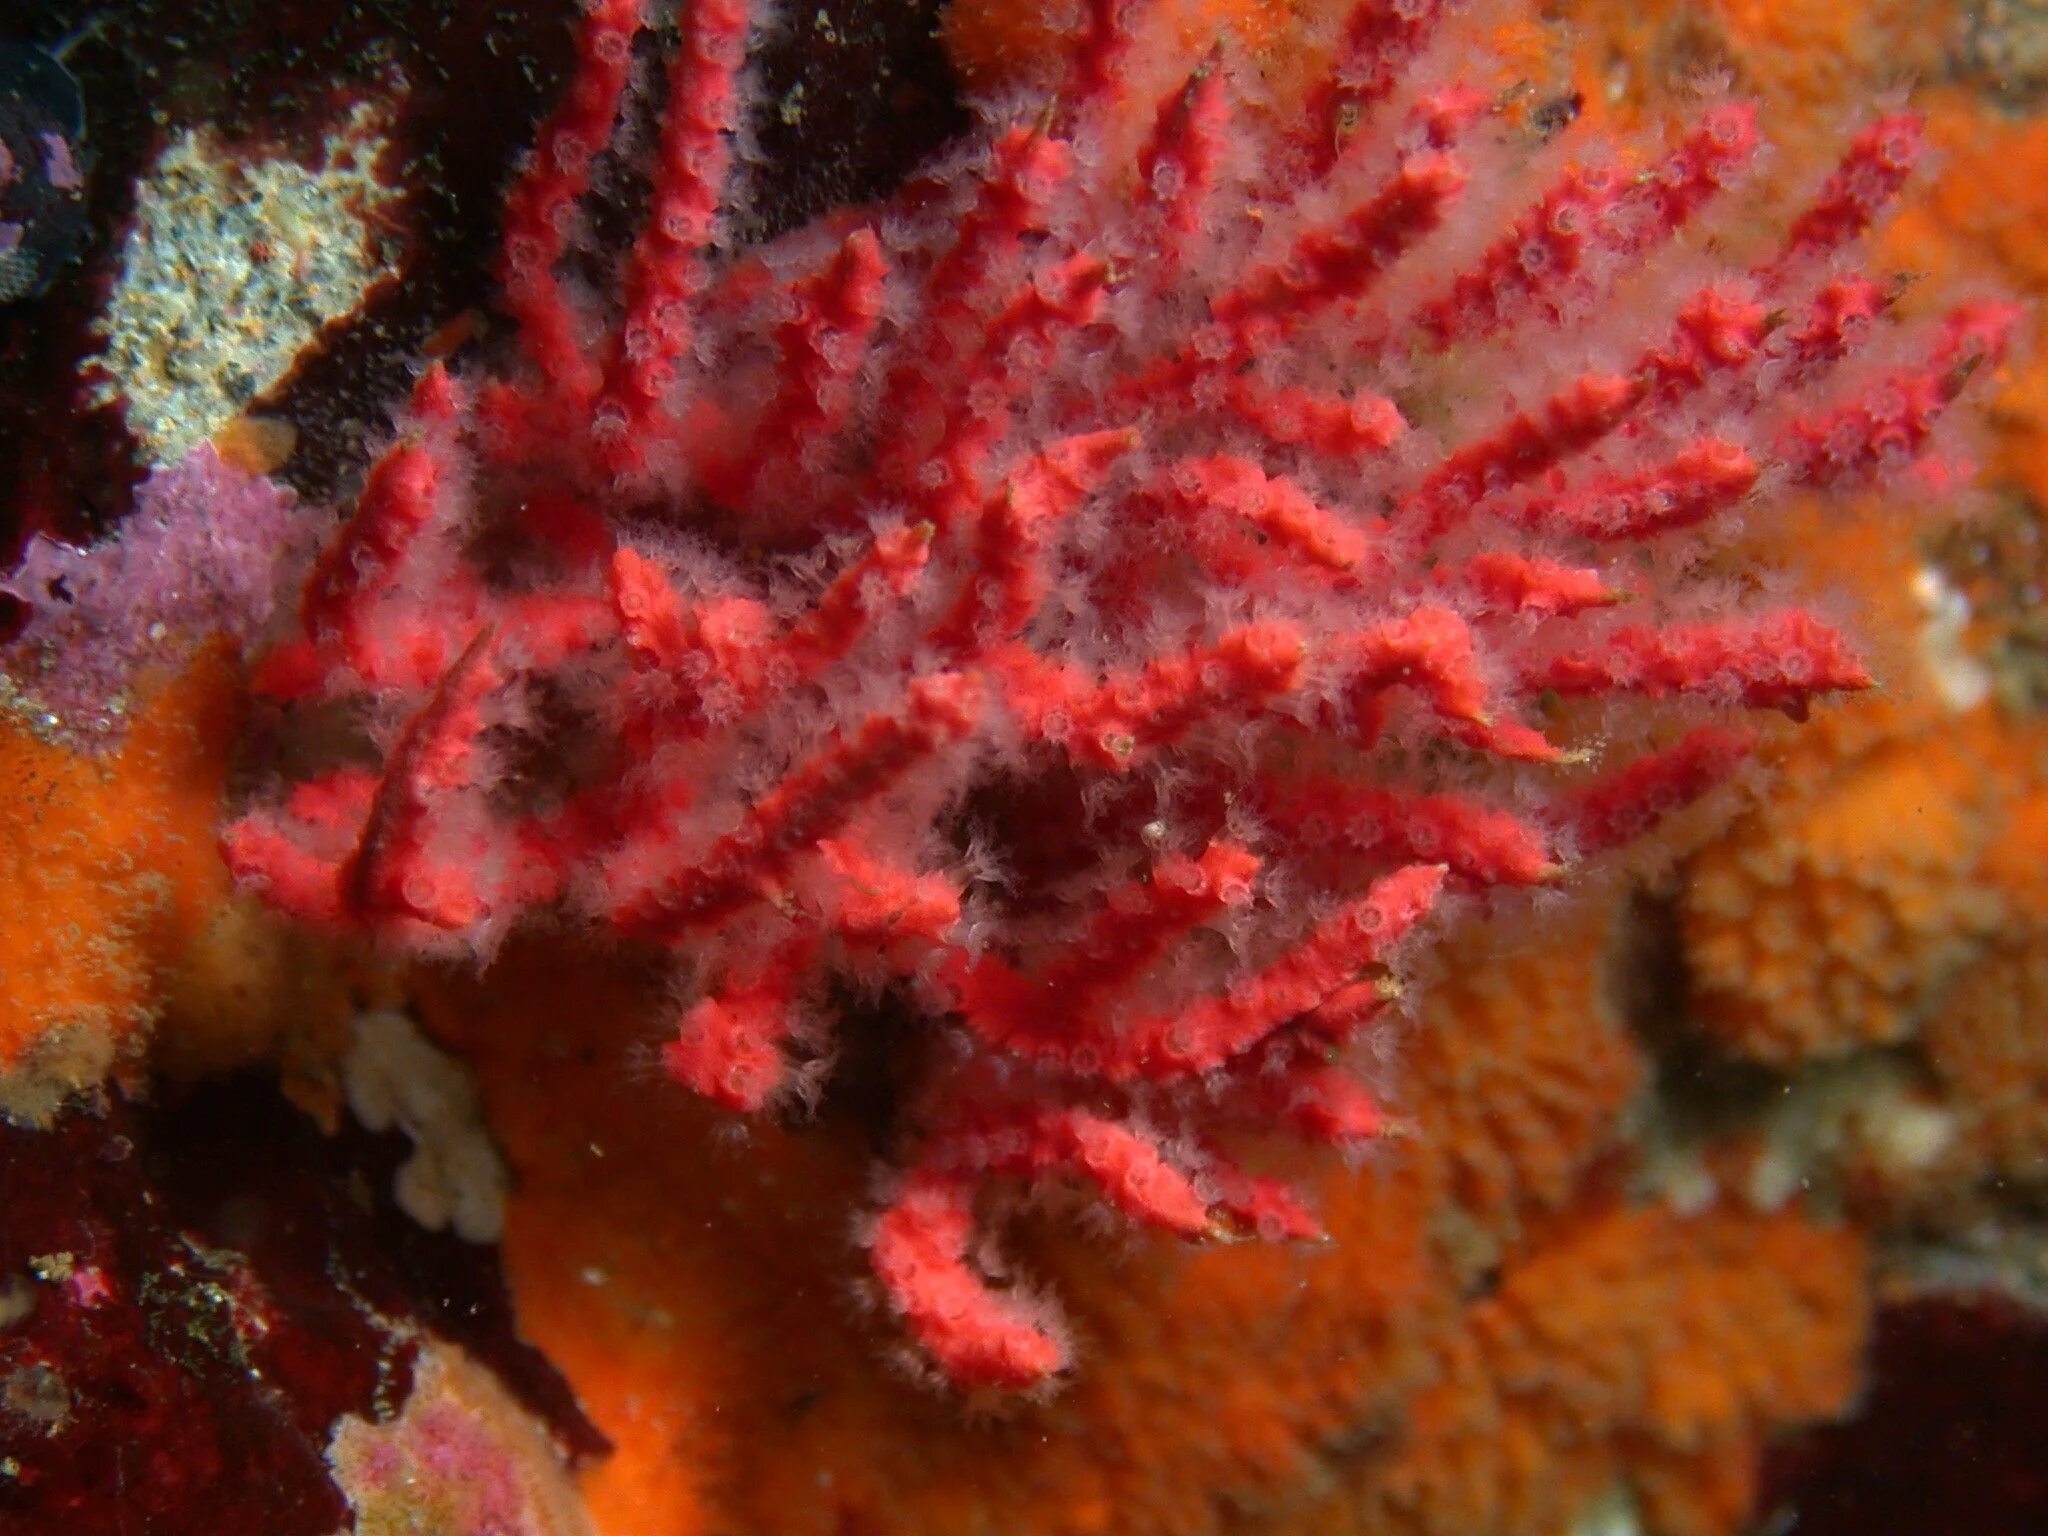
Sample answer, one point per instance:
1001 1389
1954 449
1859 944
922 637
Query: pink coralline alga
199 558
1028 598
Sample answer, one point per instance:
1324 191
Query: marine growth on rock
1107 598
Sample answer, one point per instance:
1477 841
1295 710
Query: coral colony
1029 601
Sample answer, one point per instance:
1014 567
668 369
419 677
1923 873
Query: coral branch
665 272
1023 598
978 1337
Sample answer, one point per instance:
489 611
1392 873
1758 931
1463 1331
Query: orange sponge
110 871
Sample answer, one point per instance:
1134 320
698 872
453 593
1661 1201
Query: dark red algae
1950 1438
196 1292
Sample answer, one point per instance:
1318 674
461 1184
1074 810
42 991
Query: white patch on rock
395 1076
1960 680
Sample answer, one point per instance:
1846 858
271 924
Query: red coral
966 596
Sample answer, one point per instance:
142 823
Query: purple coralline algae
199 558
